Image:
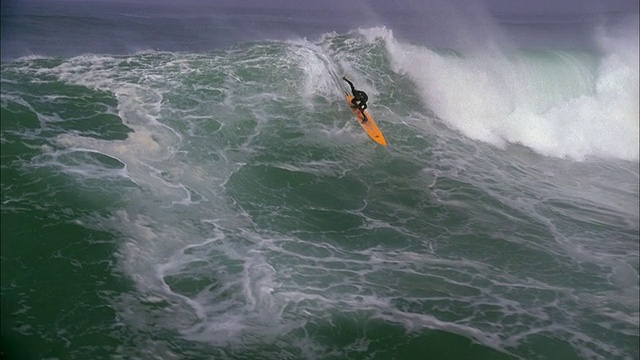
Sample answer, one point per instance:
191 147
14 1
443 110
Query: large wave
252 212
561 103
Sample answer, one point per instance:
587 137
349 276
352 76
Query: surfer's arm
353 89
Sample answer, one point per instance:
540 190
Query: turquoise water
225 204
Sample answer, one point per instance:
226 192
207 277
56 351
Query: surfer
359 100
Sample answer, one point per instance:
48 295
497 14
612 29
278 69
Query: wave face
225 204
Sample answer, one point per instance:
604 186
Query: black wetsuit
360 98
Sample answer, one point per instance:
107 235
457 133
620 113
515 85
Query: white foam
561 111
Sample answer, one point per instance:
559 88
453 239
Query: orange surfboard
370 126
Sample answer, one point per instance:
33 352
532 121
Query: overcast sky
434 22
500 6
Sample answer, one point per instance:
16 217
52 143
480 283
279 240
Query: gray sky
444 23
498 6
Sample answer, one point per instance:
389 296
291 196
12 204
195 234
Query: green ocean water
225 204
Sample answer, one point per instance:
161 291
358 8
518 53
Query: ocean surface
192 185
